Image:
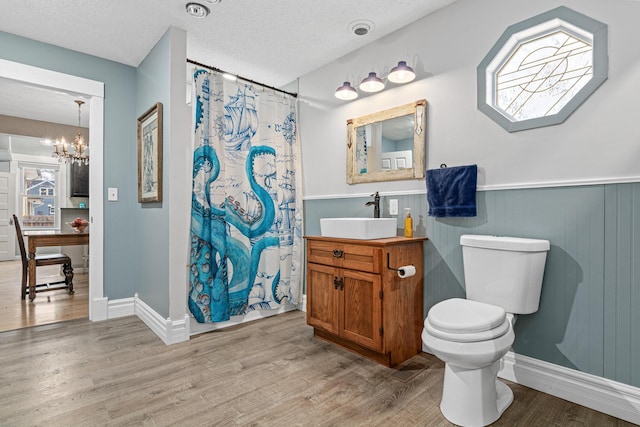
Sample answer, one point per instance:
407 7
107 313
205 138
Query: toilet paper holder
391 268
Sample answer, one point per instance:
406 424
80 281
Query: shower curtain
246 206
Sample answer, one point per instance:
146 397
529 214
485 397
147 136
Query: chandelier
74 151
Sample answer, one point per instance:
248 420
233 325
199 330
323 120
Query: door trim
11 231
94 90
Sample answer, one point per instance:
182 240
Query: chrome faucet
376 205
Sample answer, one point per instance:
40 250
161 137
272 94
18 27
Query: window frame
22 196
565 19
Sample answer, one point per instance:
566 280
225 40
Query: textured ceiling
271 42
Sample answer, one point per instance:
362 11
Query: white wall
179 186
599 142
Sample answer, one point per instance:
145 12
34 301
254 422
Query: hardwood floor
270 372
48 307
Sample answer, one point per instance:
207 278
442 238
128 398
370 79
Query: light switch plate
393 207
112 194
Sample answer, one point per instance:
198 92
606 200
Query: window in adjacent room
38 194
542 69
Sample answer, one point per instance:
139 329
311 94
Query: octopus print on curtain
246 213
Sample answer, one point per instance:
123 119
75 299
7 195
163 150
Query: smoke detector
361 27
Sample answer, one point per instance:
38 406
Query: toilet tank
504 271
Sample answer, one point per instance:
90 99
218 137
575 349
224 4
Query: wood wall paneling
622 283
590 300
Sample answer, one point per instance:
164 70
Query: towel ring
443 165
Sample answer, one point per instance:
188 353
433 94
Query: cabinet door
322 297
79 180
361 309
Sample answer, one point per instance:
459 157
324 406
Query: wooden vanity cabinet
356 299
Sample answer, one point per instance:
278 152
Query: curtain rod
190 61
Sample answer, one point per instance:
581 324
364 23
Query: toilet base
474 397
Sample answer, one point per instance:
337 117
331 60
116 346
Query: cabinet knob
337 253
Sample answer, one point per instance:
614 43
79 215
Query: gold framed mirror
387 145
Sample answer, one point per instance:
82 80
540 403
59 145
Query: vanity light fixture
346 92
197 10
401 73
372 83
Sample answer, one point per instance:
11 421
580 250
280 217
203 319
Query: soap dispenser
408 223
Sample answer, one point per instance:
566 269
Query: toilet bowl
503 277
471 395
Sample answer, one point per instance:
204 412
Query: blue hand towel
452 191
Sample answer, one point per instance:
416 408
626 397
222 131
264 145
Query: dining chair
42 260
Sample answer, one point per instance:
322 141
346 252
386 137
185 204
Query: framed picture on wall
150 155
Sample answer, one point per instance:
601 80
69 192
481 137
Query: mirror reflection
387 145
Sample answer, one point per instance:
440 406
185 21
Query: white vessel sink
359 228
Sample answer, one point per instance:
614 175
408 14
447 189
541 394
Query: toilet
503 278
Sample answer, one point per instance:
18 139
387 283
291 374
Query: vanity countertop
375 242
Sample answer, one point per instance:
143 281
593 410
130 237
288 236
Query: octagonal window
542 69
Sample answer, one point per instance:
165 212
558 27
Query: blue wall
145 245
591 291
152 218
120 225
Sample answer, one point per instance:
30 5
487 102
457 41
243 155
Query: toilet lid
463 320
458 315
468 337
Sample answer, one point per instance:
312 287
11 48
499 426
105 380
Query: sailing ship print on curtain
246 213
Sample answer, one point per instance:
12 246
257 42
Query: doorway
39 196
94 92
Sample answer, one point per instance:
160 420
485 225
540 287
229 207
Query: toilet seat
462 320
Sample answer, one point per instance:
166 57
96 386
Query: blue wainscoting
621 284
591 291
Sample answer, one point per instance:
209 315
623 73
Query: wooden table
49 238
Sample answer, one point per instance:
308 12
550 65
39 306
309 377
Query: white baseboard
603 395
175 331
121 307
169 331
